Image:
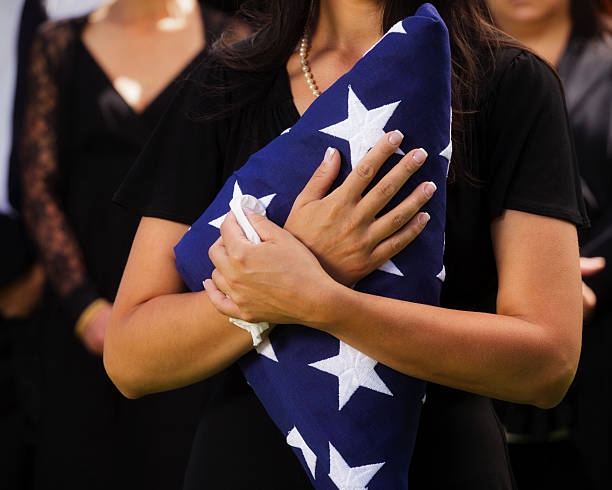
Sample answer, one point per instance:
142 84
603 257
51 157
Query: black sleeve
530 151
180 169
42 210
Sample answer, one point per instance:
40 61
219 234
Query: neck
351 26
547 36
153 10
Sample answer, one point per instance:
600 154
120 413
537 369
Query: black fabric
32 16
584 416
15 242
16 248
18 385
521 153
82 140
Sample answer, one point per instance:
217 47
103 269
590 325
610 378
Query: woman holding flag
510 321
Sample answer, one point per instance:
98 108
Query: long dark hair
277 26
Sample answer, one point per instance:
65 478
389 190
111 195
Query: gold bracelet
87 315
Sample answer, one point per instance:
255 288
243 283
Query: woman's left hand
260 282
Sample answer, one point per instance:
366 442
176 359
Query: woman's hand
95 330
20 298
280 280
590 266
343 229
277 281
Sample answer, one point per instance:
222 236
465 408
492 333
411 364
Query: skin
161 337
19 299
545 26
143 44
528 352
93 333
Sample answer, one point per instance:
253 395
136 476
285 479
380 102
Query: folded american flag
351 421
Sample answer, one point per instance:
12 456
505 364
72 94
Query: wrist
88 314
329 309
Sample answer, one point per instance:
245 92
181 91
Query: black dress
520 152
80 138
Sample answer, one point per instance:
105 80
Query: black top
521 152
15 242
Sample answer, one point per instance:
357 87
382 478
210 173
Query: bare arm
160 337
527 353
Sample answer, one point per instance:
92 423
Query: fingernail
430 188
329 153
248 211
424 218
420 156
396 137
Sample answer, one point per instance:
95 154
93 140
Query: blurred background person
569 446
97 86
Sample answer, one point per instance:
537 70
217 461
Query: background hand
589 266
19 299
93 333
343 229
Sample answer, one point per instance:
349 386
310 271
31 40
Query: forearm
168 342
500 356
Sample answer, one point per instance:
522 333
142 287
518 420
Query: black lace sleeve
42 210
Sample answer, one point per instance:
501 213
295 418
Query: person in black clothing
569 447
98 85
513 205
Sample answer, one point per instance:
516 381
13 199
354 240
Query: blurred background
82 85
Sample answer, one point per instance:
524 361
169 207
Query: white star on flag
448 151
265 201
265 349
347 478
295 439
442 274
362 129
396 29
353 369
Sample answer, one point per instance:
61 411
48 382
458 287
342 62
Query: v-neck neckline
164 89
108 81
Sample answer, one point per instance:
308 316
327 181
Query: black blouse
520 156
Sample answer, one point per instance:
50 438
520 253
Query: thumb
322 179
589 266
266 229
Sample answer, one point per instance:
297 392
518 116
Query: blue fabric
364 438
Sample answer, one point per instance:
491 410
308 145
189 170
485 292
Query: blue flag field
351 421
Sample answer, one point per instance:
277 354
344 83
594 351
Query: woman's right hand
343 229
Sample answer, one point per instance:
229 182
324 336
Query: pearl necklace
306 68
